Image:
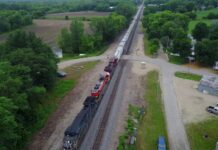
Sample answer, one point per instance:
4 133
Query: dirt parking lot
192 102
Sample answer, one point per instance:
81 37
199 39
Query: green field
192 23
189 76
153 122
200 15
197 131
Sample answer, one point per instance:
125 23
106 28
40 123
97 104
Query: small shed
215 67
209 84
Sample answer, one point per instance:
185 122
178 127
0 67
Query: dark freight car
76 131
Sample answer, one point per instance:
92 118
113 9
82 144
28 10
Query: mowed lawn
200 18
152 124
197 132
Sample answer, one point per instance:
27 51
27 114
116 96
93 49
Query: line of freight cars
75 133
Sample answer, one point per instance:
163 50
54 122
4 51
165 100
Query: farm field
71 15
200 15
48 30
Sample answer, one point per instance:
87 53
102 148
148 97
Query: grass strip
189 76
153 122
197 132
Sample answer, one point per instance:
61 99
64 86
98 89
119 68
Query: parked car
213 110
161 143
61 74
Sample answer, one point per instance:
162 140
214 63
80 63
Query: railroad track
103 123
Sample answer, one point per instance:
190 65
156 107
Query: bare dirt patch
192 102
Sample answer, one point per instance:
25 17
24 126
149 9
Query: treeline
104 30
170 29
10 20
180 6
207 43
27 72
14 15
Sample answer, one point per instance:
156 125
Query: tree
66 17
8 124
77 31
28 50
64 40
213 35
182 47
126 9
200 31
165 41
108 27
207 52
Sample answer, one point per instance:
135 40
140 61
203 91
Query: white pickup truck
212 109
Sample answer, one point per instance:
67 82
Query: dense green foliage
153 46
104 30
126 9
109 27
207 42
212 15
200 31
207 52
171 29
27 71
10 20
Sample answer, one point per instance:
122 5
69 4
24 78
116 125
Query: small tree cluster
10 20
207 43
104 29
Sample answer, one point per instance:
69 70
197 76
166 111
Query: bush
212 15
153 46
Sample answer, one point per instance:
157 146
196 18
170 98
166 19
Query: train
75 133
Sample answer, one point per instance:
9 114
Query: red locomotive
99 86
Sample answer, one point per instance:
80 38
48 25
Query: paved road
69 63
